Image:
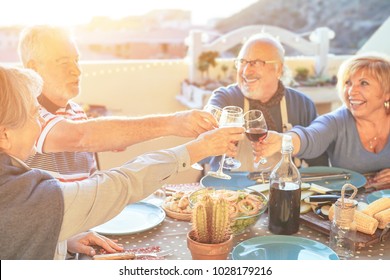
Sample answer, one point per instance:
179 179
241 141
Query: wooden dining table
171 234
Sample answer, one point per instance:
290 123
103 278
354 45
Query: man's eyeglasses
256 62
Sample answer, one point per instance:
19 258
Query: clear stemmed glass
229 118
230 162
216 112
256 129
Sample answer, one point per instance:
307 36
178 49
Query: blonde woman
355 136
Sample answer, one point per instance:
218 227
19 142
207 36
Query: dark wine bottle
285 193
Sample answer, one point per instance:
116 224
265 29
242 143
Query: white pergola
317 45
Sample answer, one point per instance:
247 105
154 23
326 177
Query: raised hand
231 116
192 123
215 142
269 146
216 112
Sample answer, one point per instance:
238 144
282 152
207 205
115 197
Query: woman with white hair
38 212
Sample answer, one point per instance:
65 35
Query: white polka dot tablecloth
172 234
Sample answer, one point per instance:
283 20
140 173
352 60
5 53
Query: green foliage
210 220
302 74
303 78
207 59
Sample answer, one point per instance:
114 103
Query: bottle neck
287 153
285 170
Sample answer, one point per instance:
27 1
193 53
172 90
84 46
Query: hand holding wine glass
229 118
216 112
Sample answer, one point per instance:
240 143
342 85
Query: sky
72 12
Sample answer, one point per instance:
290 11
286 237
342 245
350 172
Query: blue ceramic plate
134 218
356 179
281 247
376 195
239 180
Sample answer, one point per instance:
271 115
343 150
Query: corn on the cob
383 218
377 206
363 222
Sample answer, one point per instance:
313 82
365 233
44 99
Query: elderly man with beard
259 70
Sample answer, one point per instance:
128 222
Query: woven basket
177 215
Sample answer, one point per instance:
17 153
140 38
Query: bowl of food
246 205
177 206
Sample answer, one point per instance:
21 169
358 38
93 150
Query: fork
131 255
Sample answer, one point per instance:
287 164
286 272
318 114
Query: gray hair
18 90
376 64
268 39
34 40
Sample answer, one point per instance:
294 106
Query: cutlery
305 177
322 198
323 190
131 255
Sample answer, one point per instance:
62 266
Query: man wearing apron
259 70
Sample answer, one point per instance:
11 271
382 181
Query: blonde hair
377 65
34 40
18 90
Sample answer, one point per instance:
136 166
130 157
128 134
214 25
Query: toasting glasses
216 112
230 162
231 116
256 130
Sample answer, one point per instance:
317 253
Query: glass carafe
343 229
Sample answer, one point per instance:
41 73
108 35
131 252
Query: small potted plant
210 237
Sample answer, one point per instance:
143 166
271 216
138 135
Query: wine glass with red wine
256 129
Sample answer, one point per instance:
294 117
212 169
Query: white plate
134 218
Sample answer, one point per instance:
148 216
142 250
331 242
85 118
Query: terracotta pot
203 251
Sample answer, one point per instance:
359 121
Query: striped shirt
65 166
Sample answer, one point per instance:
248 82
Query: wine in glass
216 112
229 118
256 129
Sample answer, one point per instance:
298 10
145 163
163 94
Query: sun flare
73 12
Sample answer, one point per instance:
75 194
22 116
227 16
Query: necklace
376 142
371 142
